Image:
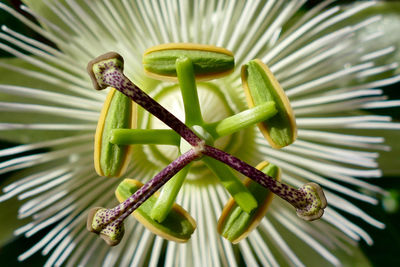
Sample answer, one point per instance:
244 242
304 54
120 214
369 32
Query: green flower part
236 224
106 70
178 226
118 112
316 209
112 234
209 62
261 86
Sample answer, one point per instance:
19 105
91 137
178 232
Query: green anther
235 224
261 86
118 112
209 62
178 226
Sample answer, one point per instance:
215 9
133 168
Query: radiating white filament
325 70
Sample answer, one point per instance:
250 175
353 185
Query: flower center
214 106
194 139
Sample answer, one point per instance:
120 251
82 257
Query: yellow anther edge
188 46
199 78
99 133
177 208
260 212
283 97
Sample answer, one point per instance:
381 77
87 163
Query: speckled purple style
300 199
106 70
109 221
109 72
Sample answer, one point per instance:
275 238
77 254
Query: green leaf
389 160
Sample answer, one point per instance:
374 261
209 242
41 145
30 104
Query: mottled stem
289 194
125 86
107 70
147 190
108 221
309 200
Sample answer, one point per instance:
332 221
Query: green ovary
214 107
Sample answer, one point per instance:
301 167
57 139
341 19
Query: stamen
106 70
109 222
309 200
178 225
235 224
261 86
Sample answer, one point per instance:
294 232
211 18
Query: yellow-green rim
177 208
260 213
99 136
188 46
278 88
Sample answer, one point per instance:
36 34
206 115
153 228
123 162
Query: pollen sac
235 224
261 86
97 68
178 226
316 202
118 112
209 62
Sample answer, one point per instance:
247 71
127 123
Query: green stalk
235 187
187 83
241 120
168 195
144 136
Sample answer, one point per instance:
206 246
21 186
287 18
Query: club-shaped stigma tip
89 222
97 67
111 232
316 202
